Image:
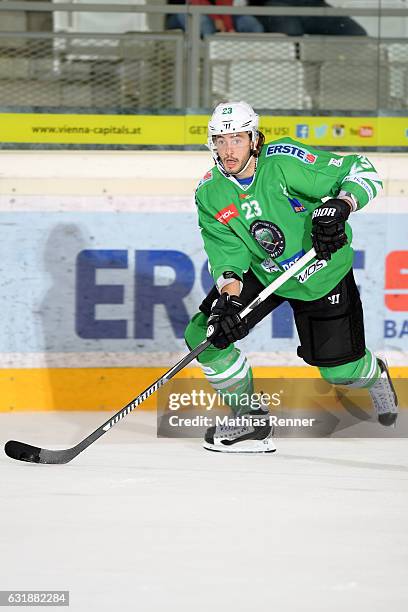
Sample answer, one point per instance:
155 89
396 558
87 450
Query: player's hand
224 324
329 227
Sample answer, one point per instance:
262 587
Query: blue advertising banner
127 283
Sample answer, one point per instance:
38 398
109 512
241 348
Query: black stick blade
22 452
33 454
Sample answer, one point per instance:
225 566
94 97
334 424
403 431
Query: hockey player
260 209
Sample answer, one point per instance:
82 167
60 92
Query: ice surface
145 524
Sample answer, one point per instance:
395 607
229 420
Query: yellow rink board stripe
180 130
41 389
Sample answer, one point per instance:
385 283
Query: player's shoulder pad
290 149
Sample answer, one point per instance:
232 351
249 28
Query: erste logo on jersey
226 214
288 263
303 154
269 236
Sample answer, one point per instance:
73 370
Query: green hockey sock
231 376
361 373
227 370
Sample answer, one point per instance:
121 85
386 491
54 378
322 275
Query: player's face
233 150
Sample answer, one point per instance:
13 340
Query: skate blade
244 447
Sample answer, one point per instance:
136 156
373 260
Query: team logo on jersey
269 236
288 263
207 177
296 205
303 154
226 214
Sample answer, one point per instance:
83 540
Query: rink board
87 316
96 290
191 130
98 388
110 389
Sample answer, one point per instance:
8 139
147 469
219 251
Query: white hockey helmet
230 117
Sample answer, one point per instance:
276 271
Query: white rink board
75 221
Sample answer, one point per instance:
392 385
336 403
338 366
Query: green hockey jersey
266 226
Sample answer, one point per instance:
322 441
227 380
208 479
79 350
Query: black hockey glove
328 227
224 323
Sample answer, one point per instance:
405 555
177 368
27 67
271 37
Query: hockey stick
33 454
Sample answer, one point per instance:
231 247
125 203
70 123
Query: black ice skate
249 433
384 397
